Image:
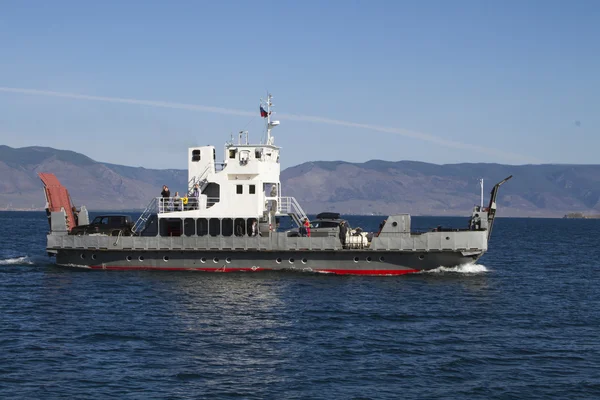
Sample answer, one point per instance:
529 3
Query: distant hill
374 187
97 185
384 187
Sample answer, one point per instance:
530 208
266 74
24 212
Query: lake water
523 323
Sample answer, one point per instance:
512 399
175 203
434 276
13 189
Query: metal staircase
289 206
140 224
201 180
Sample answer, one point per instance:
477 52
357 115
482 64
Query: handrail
198 179
141 221
175 204
289 205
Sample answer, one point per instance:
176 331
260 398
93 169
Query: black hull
353 262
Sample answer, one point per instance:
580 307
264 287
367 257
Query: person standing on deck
307 227
166 194
177 201
254 229
302 229
196 195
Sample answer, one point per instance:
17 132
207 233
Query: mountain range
373 187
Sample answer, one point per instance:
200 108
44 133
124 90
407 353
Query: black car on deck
324 225
111 225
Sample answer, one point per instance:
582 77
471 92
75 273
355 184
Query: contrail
163 104
305 118
415 135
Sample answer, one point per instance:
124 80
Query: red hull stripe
256 269
147 268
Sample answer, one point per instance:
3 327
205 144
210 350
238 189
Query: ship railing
474 241
289 205
274 241
170 204
175 204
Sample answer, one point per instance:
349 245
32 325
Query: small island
581 215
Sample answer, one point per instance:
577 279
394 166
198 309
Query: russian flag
263 113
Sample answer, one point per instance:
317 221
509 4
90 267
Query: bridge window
195 155
239 189
252 189
232 153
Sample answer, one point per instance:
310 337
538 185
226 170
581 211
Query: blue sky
438 81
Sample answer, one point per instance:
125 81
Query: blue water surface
522 323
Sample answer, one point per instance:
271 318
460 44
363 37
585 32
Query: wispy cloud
305 118
151 103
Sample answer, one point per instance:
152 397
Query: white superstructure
244 186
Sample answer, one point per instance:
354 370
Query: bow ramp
57 197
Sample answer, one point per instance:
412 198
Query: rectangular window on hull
252 189
189 227
240 189
202 226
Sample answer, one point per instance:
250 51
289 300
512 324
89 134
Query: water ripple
524 325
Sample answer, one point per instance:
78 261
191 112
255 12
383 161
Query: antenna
242 133
269 104
270 124
481 184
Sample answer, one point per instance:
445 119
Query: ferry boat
229 218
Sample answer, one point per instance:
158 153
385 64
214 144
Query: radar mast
266 108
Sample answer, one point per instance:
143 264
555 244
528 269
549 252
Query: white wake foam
24 260
461 269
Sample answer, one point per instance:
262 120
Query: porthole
304 261
128 258
278 260
203 260
94 257
141 258
369 259
355 259
382 258
422 256
166 258
216 260
447 237
82 256
291 260
394 223
228 260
